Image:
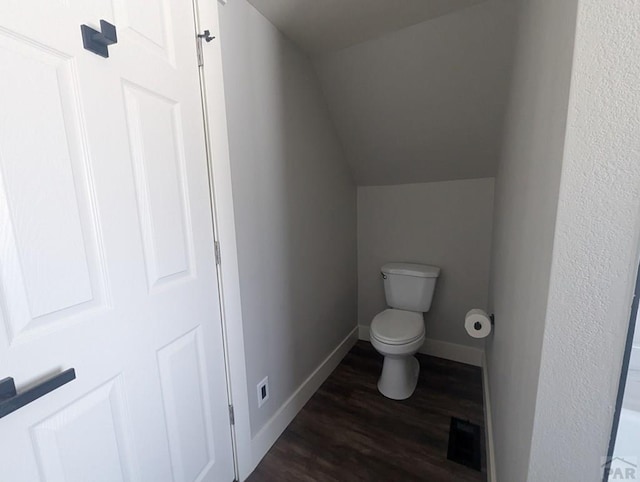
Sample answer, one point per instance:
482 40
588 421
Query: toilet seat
397 327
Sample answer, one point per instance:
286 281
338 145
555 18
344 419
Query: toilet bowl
398 332
397 335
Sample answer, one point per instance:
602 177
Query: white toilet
398 332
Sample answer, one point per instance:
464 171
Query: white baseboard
363 333
441 349
266 437
453 352
488 424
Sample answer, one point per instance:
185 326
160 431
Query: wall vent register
464 443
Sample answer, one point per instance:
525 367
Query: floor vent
464 443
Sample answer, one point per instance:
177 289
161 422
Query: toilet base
399 376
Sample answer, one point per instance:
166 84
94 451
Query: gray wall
527 187
595 256
295 208
425 103
447 224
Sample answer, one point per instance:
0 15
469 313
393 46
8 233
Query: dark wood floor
349 431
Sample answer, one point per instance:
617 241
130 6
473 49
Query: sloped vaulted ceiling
415 104
321 26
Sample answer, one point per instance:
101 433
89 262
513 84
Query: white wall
295 209
566 239
447 224
425 103
595 255
527 187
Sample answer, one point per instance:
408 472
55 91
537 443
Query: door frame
626 357
219 167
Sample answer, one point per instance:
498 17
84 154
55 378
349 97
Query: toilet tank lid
411 269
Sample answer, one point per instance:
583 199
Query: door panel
149 24
38 87
154 124
60 440
106 248
182 372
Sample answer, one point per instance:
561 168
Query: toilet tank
409 286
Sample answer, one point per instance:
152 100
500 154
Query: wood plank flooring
349 432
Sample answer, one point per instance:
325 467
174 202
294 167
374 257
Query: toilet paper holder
477 324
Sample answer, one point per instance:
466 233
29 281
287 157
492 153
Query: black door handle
10 400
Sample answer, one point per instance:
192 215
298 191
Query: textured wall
527 187
295 209
447 224
596 247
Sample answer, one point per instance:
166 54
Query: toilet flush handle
384 276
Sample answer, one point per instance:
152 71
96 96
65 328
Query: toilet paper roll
477 323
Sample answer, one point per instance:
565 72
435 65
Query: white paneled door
106 248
